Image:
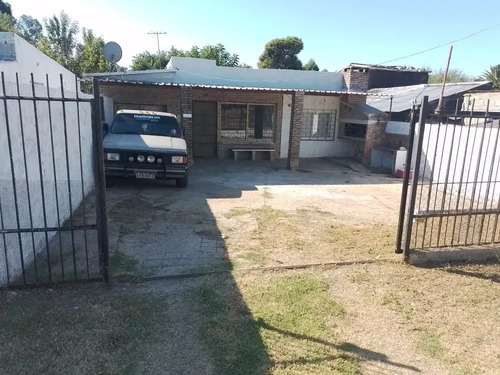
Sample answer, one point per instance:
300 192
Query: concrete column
295 129
375 137
187 119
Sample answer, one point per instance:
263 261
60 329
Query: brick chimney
356 78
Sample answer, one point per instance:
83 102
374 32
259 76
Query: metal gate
451 188
53 224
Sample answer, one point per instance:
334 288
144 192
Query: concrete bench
253 151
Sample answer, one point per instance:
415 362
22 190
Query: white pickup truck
146 144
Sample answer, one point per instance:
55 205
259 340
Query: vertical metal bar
100 184
40 171
70 198
492 201
30 212
81 176
454 169
474 186
56 189
431 179
7 271
13 174
443 203
406 179
390 110
462 178
409 221
438 182
490 177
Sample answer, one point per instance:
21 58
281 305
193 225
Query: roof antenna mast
157 33
439 109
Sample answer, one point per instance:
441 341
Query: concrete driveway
157 229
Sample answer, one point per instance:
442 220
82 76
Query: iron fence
451 188
53 222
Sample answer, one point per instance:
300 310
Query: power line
157 33
441 45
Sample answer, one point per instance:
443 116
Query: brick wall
375 137
187 122
356 79
295 129
251 97
144 94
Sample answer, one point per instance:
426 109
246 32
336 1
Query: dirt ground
224 218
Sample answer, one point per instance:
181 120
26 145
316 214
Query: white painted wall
337 147
29 59
443 138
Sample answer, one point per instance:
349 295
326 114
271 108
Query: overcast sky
335 33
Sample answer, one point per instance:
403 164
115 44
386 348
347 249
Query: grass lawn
373 318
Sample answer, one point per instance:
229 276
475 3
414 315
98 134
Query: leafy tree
282 53
7 23
493 75
244 65
5 8
89 56
311 65
60 41
29 28
149 61
454 76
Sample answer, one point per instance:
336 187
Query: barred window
319 125
247 121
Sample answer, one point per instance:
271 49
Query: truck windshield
145 124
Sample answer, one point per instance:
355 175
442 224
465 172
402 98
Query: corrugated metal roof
234 87
403 96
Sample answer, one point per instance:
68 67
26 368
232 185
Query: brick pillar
295 129
187 122
375 137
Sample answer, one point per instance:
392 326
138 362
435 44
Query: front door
204 129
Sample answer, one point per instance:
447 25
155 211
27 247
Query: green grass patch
275 324
124 267
430 344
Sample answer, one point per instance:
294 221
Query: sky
335 32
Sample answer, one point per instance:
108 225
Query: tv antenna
157 33
112 52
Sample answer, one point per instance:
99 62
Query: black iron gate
53 224
451 188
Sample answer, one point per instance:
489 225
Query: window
247 121
355 130
319 125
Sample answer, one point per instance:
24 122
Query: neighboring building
364 77
51 207
398 100
482 101
293 113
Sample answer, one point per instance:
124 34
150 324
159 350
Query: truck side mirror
105 128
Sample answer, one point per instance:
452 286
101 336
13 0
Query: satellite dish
112 52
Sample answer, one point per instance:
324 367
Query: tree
149 61
60 42
89 56
5 8
282 53
454 75
29 28
493 75
311 65
7 23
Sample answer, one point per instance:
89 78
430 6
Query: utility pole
157 33
439 109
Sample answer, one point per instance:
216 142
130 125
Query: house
368 76
397 101
296 114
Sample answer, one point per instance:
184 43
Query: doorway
205 129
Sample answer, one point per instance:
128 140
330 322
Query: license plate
150 175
